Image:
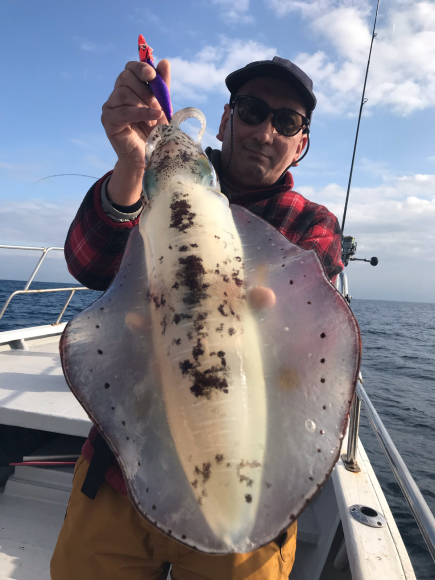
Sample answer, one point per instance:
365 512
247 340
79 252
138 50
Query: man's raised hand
128 117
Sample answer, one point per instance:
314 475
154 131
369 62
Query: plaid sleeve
95 244
324 236
307 224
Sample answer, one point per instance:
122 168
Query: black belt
98 467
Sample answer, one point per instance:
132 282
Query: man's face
260 154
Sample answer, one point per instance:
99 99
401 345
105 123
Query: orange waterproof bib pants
106 539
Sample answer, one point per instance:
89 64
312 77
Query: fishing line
363 102
64 175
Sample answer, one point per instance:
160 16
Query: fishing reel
348 250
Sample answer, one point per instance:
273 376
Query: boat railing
419 508
26 290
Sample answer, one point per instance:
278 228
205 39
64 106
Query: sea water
398 369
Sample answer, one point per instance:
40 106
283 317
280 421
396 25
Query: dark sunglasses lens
252 111
288 122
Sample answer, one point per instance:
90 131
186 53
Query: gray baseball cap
279 68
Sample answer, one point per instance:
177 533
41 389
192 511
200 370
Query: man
264 130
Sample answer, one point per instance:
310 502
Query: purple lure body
161 92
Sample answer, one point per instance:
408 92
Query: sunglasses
254 111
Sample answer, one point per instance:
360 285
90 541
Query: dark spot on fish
248 498
106 385
183 537
97 326
238 258
208 381
268 485
205 472
217 237
176 286
189 335
322 432
322 380
217 271
176 341
164 324
225 294
154 507
319 451
190 275
311 479
322 360
283 266
181 216
322 335
231 331
161 259
225 278
291 281
169 532
90 370
185 366
247 480
100 351
101 308
228 464
147 489
138 463
123 422
304 276
113 408
193 245
324 407
308 302
127 438
221 309
238 282
219 458
170 247
194 483
183 249
197 350
179 317
220 328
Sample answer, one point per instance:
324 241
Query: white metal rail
26 290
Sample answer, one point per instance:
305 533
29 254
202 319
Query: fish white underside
220 436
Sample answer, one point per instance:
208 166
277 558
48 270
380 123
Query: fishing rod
363 102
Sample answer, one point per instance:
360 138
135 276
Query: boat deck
34 394
33 390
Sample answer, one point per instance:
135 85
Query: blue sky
59 62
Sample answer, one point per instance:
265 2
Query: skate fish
225 418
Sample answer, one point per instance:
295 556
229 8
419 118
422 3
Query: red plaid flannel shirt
95 244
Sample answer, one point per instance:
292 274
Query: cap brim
238 78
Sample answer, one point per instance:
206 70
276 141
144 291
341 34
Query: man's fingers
119 117
164 70
142 70
129 80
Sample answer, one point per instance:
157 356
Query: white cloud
235 11
206 71
89 46
402 70
394 219
39 223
